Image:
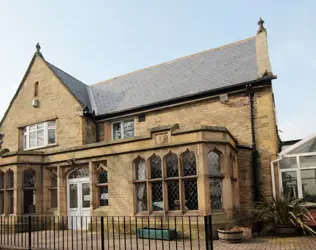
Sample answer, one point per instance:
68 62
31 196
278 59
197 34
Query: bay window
40 135
122 129
167 184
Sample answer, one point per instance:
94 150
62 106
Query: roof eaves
92 100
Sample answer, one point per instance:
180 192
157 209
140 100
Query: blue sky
97 40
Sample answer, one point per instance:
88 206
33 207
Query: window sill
124 139
101 208
169 213
43 147
217 211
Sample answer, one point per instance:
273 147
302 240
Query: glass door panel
289 184
85 195
73 196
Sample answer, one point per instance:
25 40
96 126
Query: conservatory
294 172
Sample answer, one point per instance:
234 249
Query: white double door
78 203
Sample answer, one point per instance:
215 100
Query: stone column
93 188
61 192
18 191
46 186
227 184
39 208
202 182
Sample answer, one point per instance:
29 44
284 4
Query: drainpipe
96 127
254 159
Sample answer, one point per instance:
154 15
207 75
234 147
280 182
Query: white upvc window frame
298 170
122 128
27 131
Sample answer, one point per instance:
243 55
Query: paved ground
85 240
295 243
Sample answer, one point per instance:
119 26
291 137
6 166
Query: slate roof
77 88
213 69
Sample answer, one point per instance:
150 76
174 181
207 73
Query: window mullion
122 130
299 179
27 137
45 133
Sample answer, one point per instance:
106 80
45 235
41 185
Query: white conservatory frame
308 143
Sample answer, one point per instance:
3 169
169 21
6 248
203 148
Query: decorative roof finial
38 50
261 27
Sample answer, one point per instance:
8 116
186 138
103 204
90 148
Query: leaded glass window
103 176
165 184
173 195
141 185
1 192
29 179
157 196
79 173
10 179
1 202
29 191
191 195
215 180
155 167
102 184
141 197
140 166
53 189
9 183
172 165
189 164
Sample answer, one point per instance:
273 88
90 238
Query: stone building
192 136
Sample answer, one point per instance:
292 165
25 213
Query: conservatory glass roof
307 145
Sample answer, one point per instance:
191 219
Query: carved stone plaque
162 138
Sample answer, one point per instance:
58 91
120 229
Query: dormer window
122 129
40 135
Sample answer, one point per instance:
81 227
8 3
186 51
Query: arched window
141 185
102 184
189 164
155 167
167 183
190 180
140 167
172 165
53 189
156 186
29 191
1 192
9 189
172 180
215 180
79 173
